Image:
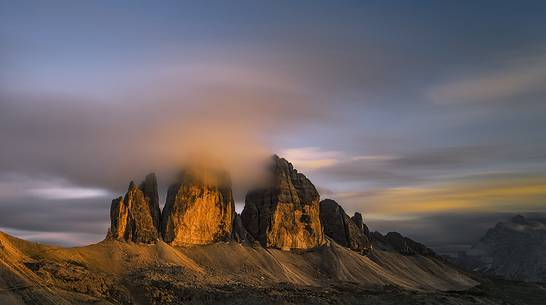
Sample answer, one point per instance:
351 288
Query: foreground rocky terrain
514 250
114 272
287 247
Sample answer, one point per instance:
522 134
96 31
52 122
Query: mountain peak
284 214
135 217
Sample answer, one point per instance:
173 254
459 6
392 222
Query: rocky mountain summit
514 249
135 217
285 213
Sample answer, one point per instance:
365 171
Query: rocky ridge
396 242
286 214
342 229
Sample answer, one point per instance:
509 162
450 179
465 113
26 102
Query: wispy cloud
69 192
309 158
15 186
510 80
501 193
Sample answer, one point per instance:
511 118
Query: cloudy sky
429 117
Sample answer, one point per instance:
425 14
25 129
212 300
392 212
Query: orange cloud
500 195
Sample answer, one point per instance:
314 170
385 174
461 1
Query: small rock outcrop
395 242
135 217
341 228
199 208
359 222
285 213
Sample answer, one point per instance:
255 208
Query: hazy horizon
429 118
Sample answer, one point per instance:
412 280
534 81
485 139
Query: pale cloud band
522 76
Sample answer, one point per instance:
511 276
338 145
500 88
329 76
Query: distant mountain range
514 249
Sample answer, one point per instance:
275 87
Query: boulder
135 217
285 213
341 228
199 208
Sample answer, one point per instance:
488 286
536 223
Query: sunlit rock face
199 208
342 229
135 217
285 213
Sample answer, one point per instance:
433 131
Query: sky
429 117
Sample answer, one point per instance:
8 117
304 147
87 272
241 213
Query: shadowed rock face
285 214
199 208
135 217
149 188
239 232
341 228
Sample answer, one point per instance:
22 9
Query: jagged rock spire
149 188
285 214
134 217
